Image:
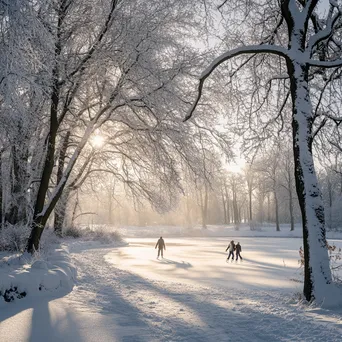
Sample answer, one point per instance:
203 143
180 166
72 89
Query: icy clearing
125 294
270 263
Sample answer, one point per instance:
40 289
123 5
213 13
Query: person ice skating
161 246
230 249
238 251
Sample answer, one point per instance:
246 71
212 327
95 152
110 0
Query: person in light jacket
231 249
161 246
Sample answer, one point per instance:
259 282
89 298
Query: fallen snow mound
23 275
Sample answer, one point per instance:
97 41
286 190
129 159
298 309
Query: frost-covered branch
100 37
256 49
319 128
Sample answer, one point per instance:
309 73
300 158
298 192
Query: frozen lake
124 294
268 263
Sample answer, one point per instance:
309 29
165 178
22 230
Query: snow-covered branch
252 49
332 117
325 64
327 31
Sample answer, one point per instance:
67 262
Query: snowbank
23 275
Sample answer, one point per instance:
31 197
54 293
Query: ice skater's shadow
181 264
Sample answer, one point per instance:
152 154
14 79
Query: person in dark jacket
238 251
231 249
161 246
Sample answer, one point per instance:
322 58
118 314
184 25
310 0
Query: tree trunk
110 209
317 273
268 208
227 203
60 213
204 206
41 214
330 195
62 202
291 209
224 208
235 207
1 204
289 188
39 221
276 211
76 205
250 205
16 212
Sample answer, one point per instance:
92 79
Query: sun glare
97 141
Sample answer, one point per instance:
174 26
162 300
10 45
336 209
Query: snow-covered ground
126 294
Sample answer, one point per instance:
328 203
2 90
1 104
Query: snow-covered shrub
14 237
12 293
49 239
74 232
107 235
26 275
335 255
100 233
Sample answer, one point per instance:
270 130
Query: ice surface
126 294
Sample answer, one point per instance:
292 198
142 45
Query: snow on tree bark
317 270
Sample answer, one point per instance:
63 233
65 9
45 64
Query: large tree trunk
62 202
317 274
39 221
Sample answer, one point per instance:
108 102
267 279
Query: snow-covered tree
116 68
294 37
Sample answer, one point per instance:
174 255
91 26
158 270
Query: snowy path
126 295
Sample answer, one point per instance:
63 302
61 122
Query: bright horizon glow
236 166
